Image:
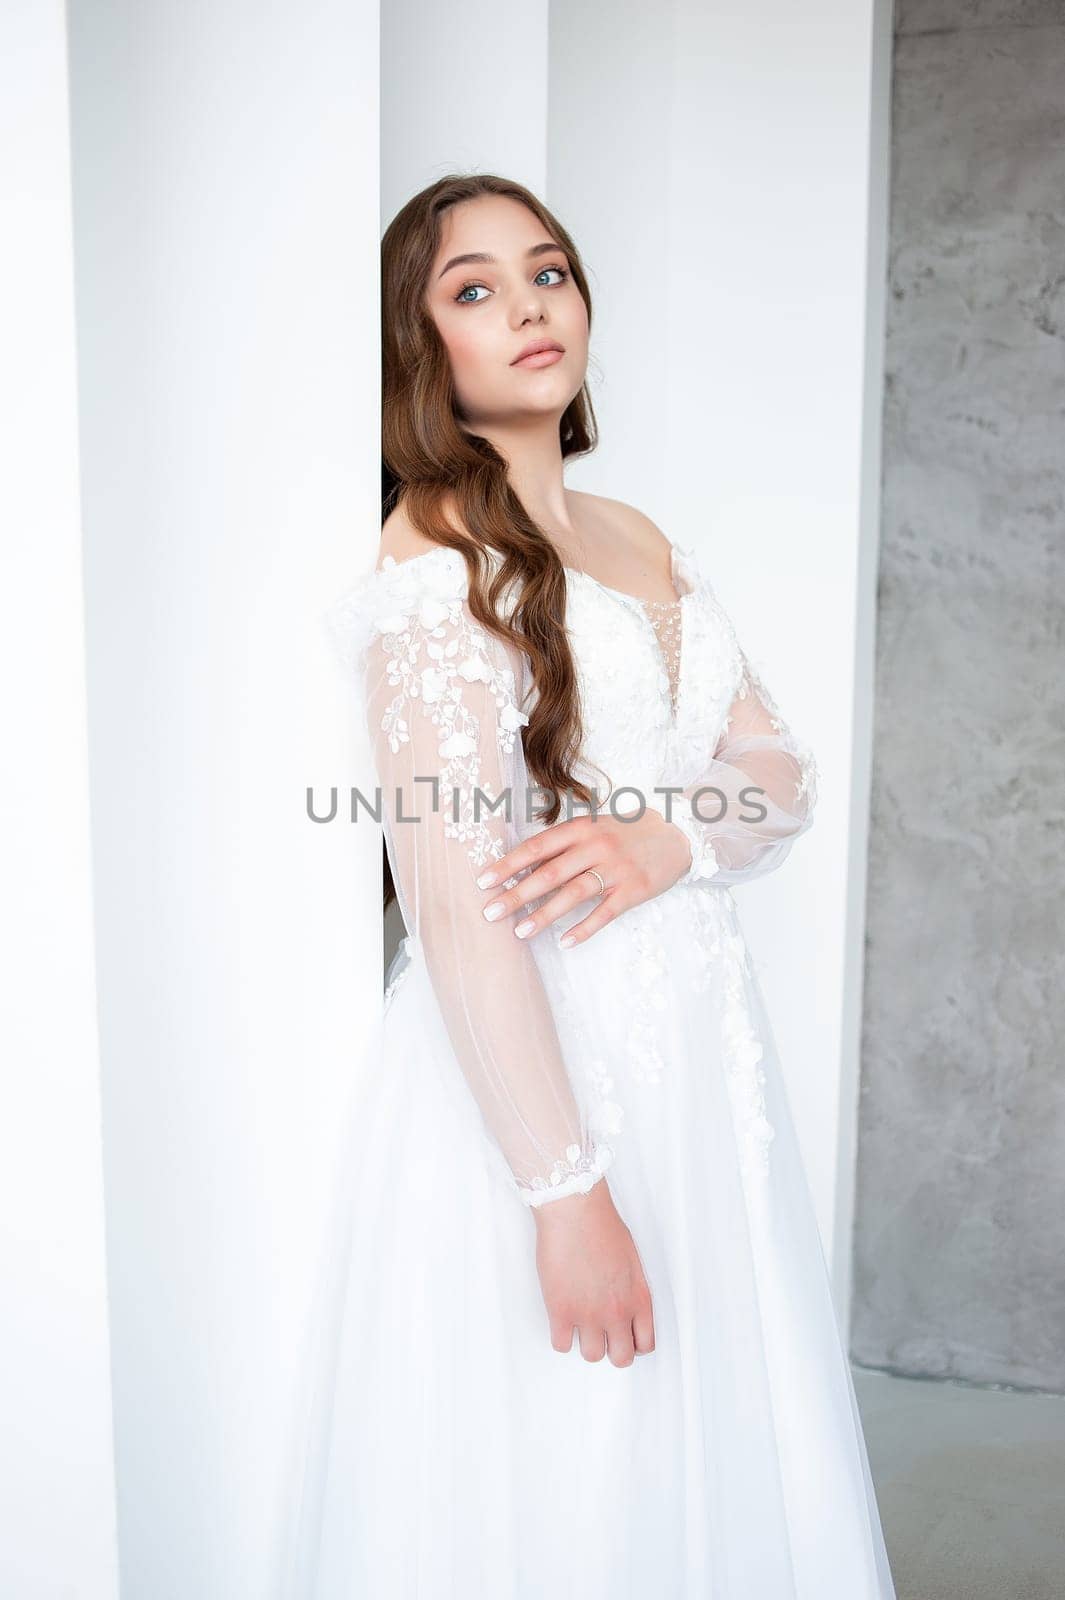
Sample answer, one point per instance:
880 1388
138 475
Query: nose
530 307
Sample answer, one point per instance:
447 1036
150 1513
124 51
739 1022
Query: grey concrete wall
960 1222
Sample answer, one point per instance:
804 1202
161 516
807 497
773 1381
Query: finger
620 1344
610 906
593 1342
643 1331
574 893
561 1335
551 878
530 852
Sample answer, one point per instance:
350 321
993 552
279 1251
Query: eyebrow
481 255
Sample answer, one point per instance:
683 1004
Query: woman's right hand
592 1278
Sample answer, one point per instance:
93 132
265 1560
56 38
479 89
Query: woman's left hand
636 859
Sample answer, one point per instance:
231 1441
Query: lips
542 352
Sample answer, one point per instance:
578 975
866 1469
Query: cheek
465 345
578 316
473 352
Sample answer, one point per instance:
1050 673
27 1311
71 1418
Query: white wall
714 164
226 206
57 1489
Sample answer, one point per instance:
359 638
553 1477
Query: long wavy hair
433 465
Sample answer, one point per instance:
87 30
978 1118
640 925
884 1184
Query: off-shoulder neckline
677 555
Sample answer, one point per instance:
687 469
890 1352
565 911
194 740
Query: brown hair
433 465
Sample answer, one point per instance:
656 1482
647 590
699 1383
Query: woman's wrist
683 838
572 1208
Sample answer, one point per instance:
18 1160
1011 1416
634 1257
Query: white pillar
57 1489
458 95
226 210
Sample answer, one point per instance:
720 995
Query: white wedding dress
453 1451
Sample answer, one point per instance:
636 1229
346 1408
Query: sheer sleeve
756 793
445 731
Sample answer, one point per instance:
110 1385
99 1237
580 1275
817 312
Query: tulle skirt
452 1451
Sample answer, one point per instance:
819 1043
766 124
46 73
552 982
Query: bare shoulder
401 540
622 521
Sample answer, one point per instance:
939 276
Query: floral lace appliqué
810 780
432 654
573 1175
725 956
742 1050
648 969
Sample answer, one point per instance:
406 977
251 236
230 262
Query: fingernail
565 943
493 911
486 880
523 929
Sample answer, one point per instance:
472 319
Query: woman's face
489 310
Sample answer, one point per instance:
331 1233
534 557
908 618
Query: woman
576 1123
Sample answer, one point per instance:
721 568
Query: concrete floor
971 1487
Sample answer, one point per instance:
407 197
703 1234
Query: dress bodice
667 619
655 678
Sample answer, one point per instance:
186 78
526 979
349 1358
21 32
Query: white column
57 1488
461 92
226 211
714 161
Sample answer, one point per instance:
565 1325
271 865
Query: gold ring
602 885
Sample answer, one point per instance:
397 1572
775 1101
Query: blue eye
563 274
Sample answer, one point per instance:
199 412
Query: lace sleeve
445 729
757 793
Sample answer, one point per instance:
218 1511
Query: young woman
587 1344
